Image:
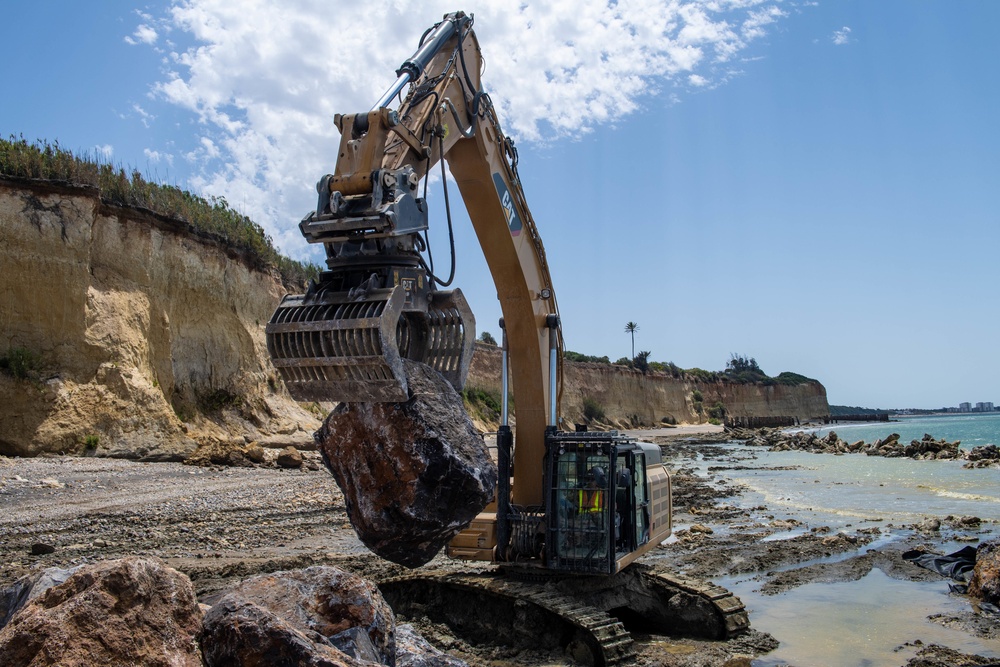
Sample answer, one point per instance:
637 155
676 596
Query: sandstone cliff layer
630 398
145 339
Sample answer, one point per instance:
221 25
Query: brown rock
413 474
239 632
129 611
985 582
412 650
290 618
289 458
29 587
255 453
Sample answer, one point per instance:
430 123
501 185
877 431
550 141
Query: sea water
972 429
866 622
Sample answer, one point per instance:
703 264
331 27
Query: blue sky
813 184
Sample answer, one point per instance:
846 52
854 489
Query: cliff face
149 340
630 398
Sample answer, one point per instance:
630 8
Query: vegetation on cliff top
120 187
739 369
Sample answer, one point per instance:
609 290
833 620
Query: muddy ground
222 524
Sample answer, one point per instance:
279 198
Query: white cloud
144 34
105 151
842 36
265 79
155 157
145 117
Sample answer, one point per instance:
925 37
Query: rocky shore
925 449
223 527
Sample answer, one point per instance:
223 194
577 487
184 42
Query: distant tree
744 369
739 364
631 328
641 361
487 337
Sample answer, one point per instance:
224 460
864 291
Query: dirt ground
222 524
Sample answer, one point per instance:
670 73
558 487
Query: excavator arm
377 302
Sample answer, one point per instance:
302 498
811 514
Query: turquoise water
871 622
865 622
972 429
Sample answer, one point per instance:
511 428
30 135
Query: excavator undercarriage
589 617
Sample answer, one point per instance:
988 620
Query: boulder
239 632
413 474
412 650
129 611
299 618
985 582
289 458
29 587
255 453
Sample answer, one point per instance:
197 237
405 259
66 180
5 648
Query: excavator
574 510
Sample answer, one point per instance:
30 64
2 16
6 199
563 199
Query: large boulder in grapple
413 474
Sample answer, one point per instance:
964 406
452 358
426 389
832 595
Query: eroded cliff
146 339
630 398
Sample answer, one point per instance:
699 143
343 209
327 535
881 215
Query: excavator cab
600 496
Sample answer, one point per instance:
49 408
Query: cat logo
513 220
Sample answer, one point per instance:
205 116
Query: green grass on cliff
117 186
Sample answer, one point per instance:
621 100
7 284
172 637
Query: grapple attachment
347 346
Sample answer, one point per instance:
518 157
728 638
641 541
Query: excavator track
577 614
732 614
539 616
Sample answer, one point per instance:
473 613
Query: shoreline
220 525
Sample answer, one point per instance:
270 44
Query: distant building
984 406
965 407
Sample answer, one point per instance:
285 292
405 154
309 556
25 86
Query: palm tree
631 328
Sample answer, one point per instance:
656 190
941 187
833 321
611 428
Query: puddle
856 623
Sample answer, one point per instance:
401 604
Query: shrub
792 379
91 441
569 355
717 411
483 402
593 410
700 375
19 362
487 337
696 396
641 361
217 400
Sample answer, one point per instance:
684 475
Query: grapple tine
365 365
452 336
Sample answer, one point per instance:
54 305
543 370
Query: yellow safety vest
591 500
